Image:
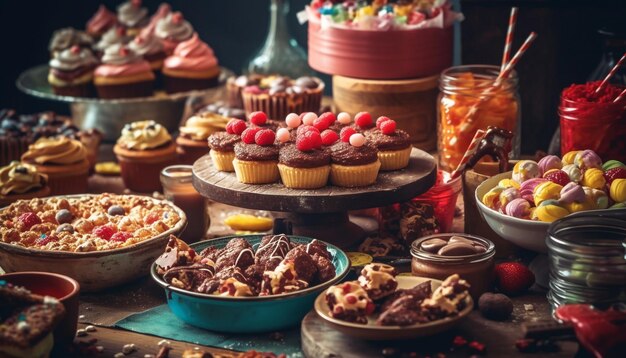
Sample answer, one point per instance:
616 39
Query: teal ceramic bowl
248 314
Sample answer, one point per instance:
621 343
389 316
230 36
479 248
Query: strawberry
236 126
329 137
328 117
615 173
320 124
306 128
345 134
351 299
104 231
248 135
388 127
258 118
28 220
557 176
308 141
346 288
265 137
152 217
363 120
380 120
513 278
121 236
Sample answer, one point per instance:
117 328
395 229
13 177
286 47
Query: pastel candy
572 193
549 213
546 191
524 170
293 120
344 118
549 162
568 158
610 164
619 206
594 178
508 183
282 134
596 198
573 172
618 190
491 199
575 207
508 195
587 159
528 187
518 208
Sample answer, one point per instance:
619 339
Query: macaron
587 159
573 172
518 208
524 170
572 193
610 164
593 178
618 190
549 212
546 191
568 158
549 162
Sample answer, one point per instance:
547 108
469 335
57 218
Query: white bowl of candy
520 205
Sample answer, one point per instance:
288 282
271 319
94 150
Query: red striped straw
471 149
489 92
606 79
620 96
508 43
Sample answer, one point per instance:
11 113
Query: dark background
567 50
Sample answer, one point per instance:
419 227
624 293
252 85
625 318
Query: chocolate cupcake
71 72
101 22
192 66
354 163
67 37
123 74
394 145
278 96
172 30
132 16
301 169
222 151
256 157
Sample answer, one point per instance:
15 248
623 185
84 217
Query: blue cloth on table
160 321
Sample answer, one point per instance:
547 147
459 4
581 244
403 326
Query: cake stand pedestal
320 213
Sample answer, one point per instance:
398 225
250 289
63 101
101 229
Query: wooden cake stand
320 213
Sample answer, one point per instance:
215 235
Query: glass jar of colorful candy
593 120
463 108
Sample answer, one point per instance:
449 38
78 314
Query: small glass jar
178 188
600 127
460 89
477 269
442 197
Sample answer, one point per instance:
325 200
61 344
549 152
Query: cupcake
143 150
67 37
172 30
192 141
256 157
151 48
21 181
71 72
302 166
14 138
192 66
278 96
123 74
394 145
101 22
114 36
222 145
132 16
63 160
354 163
235 85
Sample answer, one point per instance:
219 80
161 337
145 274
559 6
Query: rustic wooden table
104 309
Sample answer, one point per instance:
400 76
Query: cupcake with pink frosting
192 66
123 74
172 30
101 22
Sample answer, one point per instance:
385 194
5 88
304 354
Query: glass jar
460 89
587 263
600 127
178 188
442 197
477 269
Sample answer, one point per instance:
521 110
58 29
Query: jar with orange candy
462 108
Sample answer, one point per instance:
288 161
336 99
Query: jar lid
419 253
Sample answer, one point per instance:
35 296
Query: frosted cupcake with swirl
21 181
100 22
143 150
172 30
71 72
151 48
132 16
123 74
63 160
192 66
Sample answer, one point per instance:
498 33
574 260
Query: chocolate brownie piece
317 247
189 277
421 291
272 251
403 311
378 280
237 252
325 268
303 263
349 302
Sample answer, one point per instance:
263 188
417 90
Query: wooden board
390 187
320 340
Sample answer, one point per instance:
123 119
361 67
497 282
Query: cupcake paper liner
279 106
233 94
126 90
249 172
394 159
353 176
143 177
223 161
304 178
12 148
66 183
